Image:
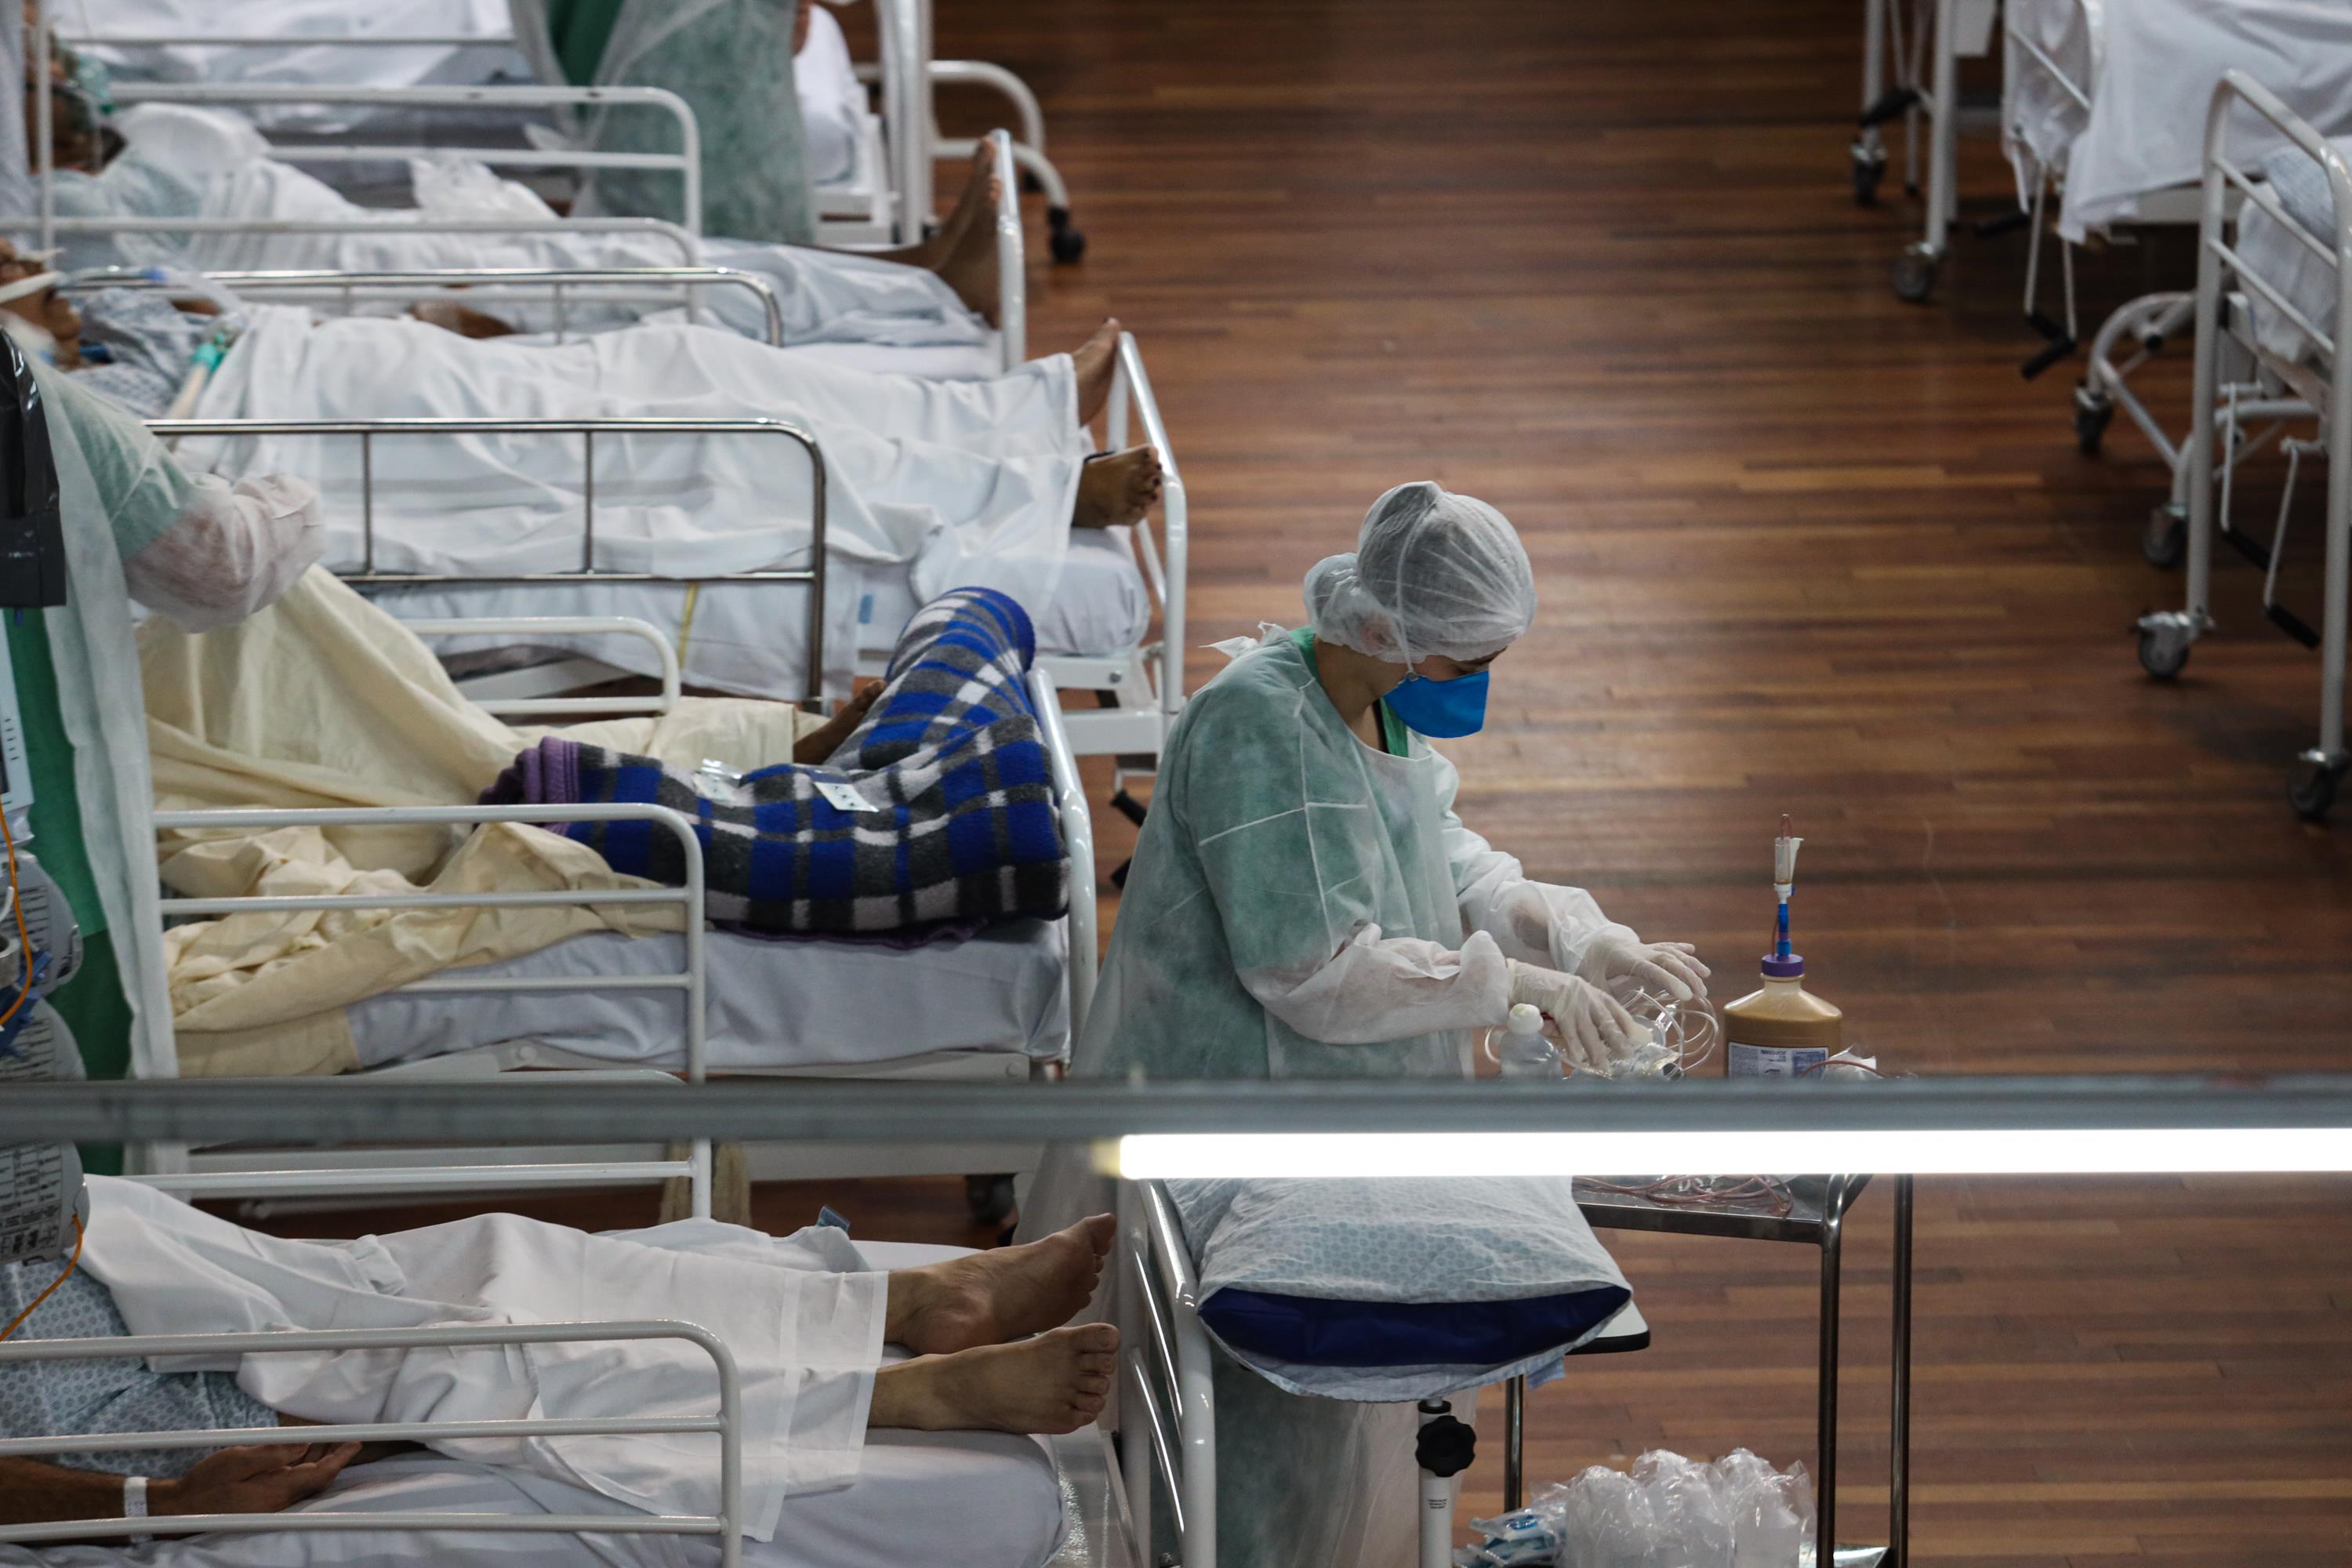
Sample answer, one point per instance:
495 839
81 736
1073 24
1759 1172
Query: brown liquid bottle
1782 1030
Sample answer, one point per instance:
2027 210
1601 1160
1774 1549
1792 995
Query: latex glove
1593 1028
1668 968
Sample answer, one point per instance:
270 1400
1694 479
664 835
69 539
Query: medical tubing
18 1322
24 937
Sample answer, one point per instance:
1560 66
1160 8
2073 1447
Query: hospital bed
2102 111
1004 1004
2273 300
870 155
1094 636
990 1500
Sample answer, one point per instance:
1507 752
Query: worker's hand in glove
1662 968
1592 1028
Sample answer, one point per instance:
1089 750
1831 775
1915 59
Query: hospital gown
138 348
79 1398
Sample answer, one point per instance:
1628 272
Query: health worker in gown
1304 902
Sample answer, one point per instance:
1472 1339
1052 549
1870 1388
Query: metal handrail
686 162
366 430
664 653
727 1426
1131 389
1078 843
483 282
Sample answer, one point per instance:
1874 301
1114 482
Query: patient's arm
262 1480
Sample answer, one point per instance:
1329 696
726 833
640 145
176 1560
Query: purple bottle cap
1786 968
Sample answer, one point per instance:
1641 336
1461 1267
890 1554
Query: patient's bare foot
992 1297
1056 1383
964 251
1095 359
1116 488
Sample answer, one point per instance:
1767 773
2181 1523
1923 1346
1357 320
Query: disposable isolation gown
1302 906
731 61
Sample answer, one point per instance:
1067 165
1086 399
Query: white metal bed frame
727 1424
1932 40
2165 637
484 285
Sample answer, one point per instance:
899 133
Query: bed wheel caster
2092 414
2164 641
990 1198
2312 790
1869 168
1067 243
2165 540
1914 275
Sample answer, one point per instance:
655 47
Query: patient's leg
1116 488
1056 1383
1093 361
963 250
990 1297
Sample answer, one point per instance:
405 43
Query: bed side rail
1130 391
481 284
690 981
2223 175
524 628
367 431
689 253
727 1425
1012 257
1168 1412
1079 838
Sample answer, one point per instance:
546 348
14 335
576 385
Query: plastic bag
1668 1512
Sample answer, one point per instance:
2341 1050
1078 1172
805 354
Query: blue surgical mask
1442 710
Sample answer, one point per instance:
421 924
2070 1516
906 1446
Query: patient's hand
260 1480
822 742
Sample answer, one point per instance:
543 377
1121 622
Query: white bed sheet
770 1004
746 637
979 1500
2154 65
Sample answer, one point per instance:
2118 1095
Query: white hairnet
1431 572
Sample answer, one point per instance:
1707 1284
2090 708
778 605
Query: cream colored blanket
325 701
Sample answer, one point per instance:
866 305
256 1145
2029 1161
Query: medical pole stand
1444 1449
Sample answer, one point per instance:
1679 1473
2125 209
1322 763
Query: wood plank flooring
1802 549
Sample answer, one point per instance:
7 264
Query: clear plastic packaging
1669 1511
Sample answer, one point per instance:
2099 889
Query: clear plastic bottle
1782 1030
1522 1049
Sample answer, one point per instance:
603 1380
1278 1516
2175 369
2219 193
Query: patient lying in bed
180 161
805 1319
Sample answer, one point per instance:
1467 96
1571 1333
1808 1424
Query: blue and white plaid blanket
951 761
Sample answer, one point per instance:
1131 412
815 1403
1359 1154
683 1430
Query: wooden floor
1803 548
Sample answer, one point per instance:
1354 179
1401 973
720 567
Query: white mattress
770 1004
2153 65
746 637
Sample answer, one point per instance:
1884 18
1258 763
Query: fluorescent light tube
2089 1152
